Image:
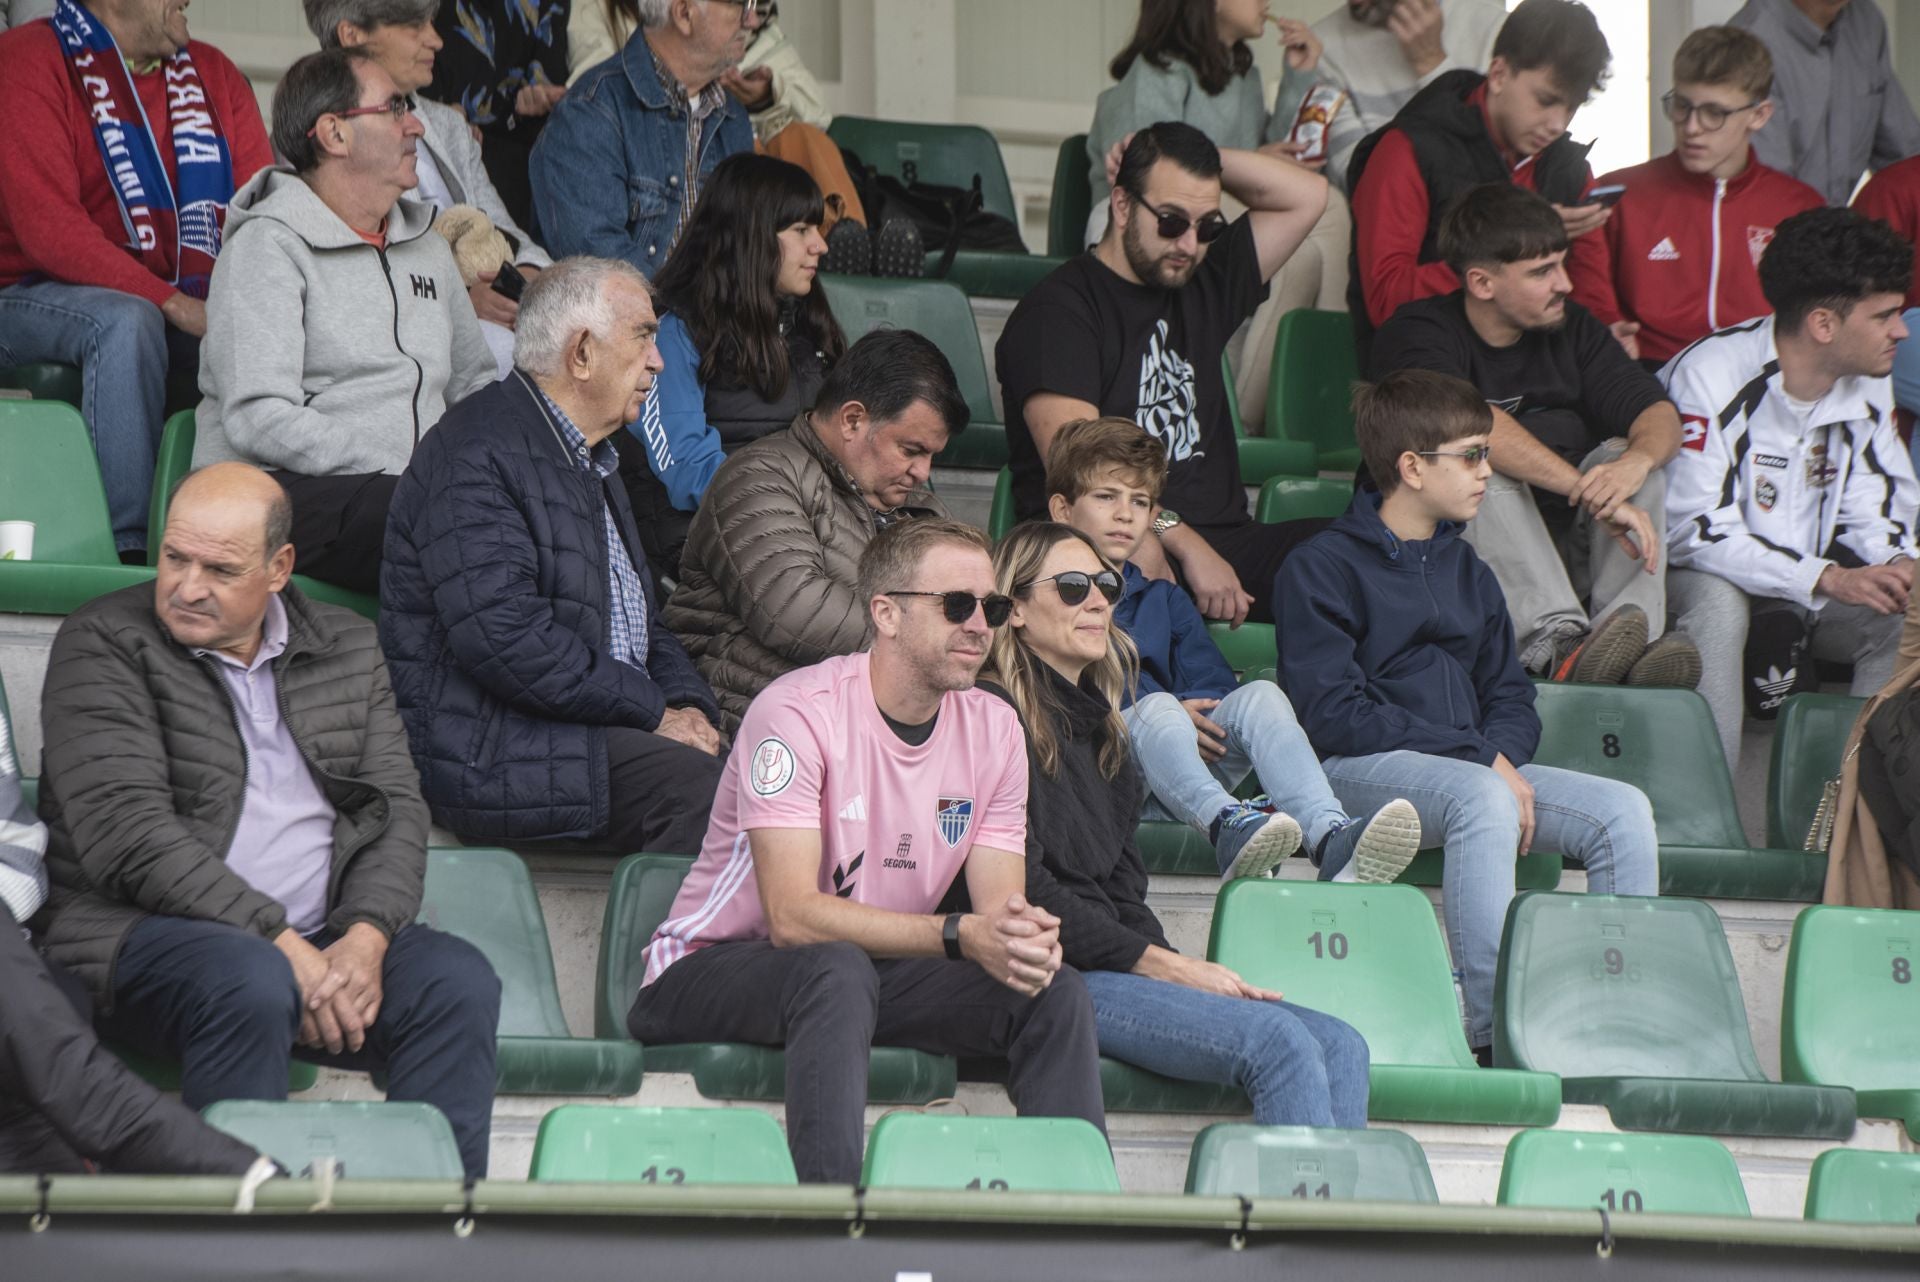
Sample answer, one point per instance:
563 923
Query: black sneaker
1673 660
1379 847
898 251
849 250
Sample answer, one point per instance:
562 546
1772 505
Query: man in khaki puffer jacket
767 579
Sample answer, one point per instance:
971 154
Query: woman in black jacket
1064 667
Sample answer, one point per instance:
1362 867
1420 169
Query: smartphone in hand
1609 195
509 284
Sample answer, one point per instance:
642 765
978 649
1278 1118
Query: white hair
653 13
562 300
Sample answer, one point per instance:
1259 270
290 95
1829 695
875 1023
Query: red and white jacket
1893 194
1683 249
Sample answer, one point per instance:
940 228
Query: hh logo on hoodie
423 286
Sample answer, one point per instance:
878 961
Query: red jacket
1894 194
1391 220
58 215
1683 249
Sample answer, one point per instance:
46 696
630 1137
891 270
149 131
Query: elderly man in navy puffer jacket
542 697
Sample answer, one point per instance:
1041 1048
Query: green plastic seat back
1248 648
1022 1154
1310 394
486 897
49 475
1072 201
1670 1174
1370 954
1661 741
1290 498
637 902
373 1141
174 461
1000 517
1611 986
1850 1013
1864 1188
945 155
46 381
1808 742
661 1146
935 309
1307 1163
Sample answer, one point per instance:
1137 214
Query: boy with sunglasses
1398 652
1683 245
1196 732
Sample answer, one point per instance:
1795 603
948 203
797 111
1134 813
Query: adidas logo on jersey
855 811
1664 252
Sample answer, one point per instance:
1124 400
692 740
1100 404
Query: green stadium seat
1128 1088
1850 1014
175 460
164 1074
1657 1174
1808 742
642 892
487 898
1664 743
1373 956
938 310
1248 647
1860 1187
1239 1158
51 477
45 382
1291 498
386 1141
1000 518
586 1142
1310 395
1264 457
1022 1154
1072 201
1636 1004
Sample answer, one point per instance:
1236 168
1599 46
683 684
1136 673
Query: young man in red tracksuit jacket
1684 243
1893 195
1464 130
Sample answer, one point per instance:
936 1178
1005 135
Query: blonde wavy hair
1011 662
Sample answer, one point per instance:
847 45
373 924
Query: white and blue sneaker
1375 850
1250 841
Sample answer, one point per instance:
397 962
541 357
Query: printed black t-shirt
1138 352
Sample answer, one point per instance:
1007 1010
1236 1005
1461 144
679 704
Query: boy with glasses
1683 245
1398 652
1196 731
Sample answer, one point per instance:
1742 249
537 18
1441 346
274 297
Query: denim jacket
607 168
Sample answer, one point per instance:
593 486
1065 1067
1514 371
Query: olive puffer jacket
767 579
144 775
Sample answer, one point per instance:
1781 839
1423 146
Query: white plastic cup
16 540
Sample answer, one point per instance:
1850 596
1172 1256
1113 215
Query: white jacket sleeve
1878 507
1706 518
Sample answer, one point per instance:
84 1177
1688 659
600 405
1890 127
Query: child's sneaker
1249 841
1375 850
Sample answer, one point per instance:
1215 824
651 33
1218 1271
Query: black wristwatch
950 936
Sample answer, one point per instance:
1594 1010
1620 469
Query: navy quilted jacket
493 614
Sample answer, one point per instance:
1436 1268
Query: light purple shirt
284 844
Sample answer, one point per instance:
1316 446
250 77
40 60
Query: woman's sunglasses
958 607
1074 585
1172 225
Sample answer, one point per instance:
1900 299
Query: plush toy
478 246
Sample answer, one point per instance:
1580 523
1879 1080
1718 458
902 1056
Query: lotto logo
1693 432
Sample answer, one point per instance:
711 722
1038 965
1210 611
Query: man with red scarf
126 141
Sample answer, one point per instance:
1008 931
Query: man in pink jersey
859 788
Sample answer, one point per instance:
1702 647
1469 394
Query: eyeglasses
1475 455
1173 224
1712 114
1073 585
762 11
397 106
958 607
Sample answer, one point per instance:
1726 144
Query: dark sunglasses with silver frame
958 607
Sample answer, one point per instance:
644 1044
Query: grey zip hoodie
324 355
23 838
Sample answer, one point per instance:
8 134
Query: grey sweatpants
1714 613
1556 589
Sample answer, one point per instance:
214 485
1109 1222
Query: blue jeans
1262 736
120 344
1298 1066
224 1003
1601 824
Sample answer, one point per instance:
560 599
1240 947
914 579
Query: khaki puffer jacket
767 579
144 776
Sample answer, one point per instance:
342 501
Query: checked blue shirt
626 599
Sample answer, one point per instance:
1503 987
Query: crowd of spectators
660 565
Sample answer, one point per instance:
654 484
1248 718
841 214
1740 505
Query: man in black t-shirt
1574 515
1135 327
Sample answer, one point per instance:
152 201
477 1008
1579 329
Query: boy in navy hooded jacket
1397 648
1196 731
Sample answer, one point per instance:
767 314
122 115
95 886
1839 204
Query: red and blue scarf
173 227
